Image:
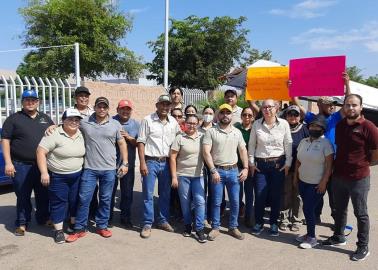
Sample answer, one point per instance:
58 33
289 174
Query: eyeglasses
177 116
268 107
247 115
191 124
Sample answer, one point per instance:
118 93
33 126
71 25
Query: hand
322 187
289 83
143 169
122 170
45 179
50 130
10 170
125 134
286 168
215 177
252 170
174 182
346 78
243 175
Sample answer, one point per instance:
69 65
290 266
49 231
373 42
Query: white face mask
208 118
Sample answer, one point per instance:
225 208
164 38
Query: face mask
315 133
208 118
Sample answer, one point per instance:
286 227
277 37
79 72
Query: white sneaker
301 238
309 243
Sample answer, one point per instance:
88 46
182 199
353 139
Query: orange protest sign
267 82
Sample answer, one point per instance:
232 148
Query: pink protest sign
317 76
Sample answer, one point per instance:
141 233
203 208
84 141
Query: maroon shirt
354 143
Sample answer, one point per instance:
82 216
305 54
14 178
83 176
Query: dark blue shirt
298 133
131 127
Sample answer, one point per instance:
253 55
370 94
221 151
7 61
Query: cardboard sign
318 76
267 83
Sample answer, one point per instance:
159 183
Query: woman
190 110
208 113
312 171
186 163
177 114
60 157
291 209
245 128
176 94
269 152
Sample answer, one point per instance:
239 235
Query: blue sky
289 28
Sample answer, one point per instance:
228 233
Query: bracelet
125 164
213 170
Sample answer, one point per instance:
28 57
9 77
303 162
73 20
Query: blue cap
30 93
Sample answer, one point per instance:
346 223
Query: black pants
331 200
357 191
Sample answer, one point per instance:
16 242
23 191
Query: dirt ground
126 250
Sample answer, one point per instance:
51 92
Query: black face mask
315 133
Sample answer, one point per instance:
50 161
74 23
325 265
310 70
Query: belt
270 159
160 159
227 167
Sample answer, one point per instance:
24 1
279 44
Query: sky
289 28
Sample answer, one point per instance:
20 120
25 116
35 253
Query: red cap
125 103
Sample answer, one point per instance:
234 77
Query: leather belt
160 159
270 159
227 167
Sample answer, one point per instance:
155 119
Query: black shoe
188 230
59 237
201 237
70 228
360 254
334 241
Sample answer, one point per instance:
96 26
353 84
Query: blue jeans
28 178
188 188
230 179
270 181
63 192
87 186
311 199
127 189
161 171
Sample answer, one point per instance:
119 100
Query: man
101 133
220 146
357 149
231 98
82 100
156 135
130 130
21 134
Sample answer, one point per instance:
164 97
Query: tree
253 55
355 74
200 50
372 81
97 27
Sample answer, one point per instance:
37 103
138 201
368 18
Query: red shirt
354 143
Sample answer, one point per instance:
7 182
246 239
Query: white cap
71 112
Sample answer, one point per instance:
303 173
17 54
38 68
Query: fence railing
193 96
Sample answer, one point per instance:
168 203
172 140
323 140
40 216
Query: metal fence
54 94
194 96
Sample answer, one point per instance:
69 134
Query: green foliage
355 74
98 29
372 81
253 55
218 99
200 50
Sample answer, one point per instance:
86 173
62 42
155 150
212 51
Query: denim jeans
87 186
127 189
311 199
161 171
270 181
63 192
331 200
28 178
230 179
357 191
192 188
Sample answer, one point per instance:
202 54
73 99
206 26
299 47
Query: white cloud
137 10
323 38
307 9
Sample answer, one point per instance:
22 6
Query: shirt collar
61 131
92 118
277 121
155 117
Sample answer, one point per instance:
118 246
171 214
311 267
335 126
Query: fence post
14 94
43 94
69 93
50 97
6 89
63 94
56 100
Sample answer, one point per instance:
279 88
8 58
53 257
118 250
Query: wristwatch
125 164
213 170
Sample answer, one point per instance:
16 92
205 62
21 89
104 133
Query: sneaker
283 226
165 227
213 234
76 235
236 233
188 231
309 242
257 229
301 238
360 254
70 228
207 224
334 241
20 231
59 237
146 232
273 231
104 232
294 227
201 237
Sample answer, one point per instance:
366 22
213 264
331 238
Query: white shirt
156 135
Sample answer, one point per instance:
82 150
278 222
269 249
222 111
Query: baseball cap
102 100
327 100
71 112
225 106
293 108
125 103
29 93
231 91
164 98
82 89
320 121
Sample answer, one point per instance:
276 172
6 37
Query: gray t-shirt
100 143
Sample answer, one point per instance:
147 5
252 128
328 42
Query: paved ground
126 250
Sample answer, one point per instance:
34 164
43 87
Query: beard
353 117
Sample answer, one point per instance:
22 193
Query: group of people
261 155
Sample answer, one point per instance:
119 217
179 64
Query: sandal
283 226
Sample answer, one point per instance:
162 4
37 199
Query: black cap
320 121
82 89
231 91
102 100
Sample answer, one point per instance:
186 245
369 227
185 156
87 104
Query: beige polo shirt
312 156
224 145
65 154
189 158
236 115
